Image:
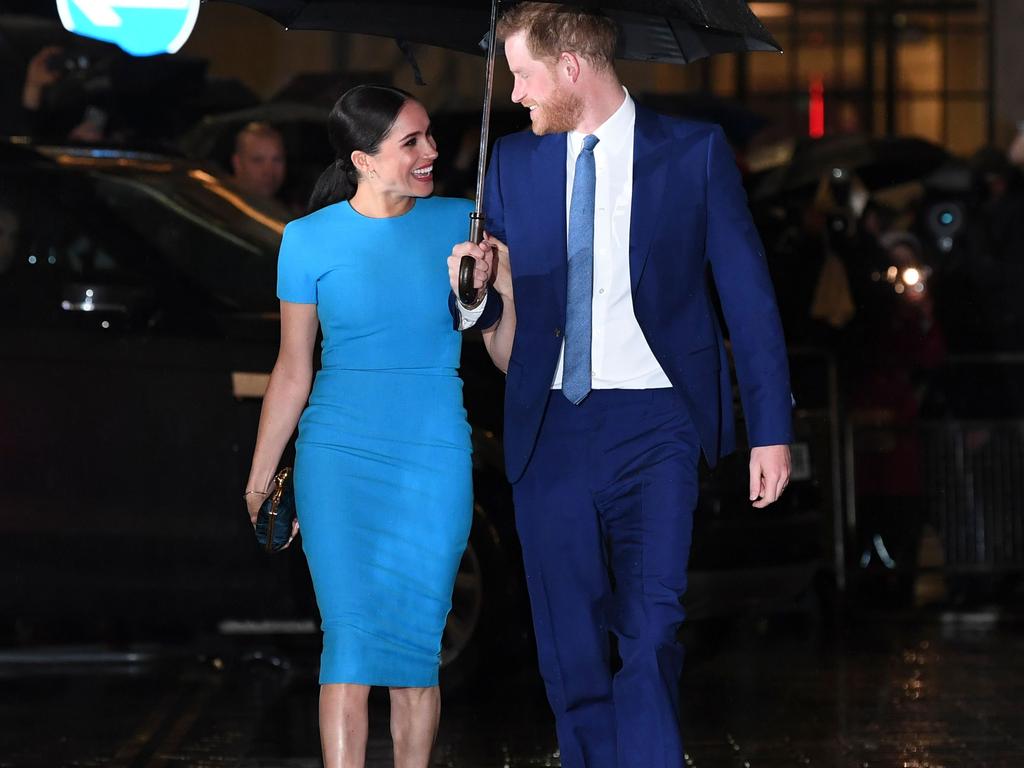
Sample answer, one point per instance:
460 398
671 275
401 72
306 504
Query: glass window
966 122
966 64
919 60
770 71
723 74
816 61
852 63
921 117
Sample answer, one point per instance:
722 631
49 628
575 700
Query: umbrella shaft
485 124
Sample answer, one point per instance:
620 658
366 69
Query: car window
162 250
195 225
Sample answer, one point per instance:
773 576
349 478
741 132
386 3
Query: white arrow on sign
102 14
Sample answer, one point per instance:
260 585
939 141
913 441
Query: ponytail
360 120
335 184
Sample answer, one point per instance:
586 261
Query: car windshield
226 243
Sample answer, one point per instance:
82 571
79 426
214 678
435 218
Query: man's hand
484 257
769 473
39 76
502 268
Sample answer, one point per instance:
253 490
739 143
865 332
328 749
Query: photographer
27 108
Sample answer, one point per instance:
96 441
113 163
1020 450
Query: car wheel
467 606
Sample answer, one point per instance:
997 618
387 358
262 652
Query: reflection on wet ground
936 691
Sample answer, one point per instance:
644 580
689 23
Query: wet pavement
933 690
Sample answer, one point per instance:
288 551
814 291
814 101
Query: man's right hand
502 268
484 257
39 75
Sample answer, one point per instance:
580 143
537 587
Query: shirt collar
613 132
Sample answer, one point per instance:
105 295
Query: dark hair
360 120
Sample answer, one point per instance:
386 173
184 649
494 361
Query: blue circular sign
140 27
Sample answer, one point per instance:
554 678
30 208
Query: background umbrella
878 162
673 31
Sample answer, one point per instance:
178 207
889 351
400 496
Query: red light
816 109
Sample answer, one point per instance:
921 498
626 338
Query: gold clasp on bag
275 501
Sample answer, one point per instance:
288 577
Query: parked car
138 326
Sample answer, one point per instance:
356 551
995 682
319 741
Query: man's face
259 165
542 88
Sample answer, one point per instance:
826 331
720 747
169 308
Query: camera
945 220
69 63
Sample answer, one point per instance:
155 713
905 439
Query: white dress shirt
620 355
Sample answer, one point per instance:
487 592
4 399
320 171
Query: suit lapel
650 170
547 180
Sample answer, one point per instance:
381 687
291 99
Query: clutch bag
277 513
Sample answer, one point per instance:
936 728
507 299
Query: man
617 377
258 162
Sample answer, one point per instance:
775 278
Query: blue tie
576 367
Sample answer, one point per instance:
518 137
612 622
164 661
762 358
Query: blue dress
383 480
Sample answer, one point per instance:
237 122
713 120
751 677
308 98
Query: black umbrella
673 31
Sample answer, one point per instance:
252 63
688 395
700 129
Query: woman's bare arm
285 397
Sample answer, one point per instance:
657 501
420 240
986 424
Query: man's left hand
769 473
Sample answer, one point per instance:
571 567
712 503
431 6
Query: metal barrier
971 470
974 472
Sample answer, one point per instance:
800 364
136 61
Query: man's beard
560 114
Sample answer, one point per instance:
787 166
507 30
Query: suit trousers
604 512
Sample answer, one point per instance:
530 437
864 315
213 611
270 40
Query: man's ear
569 65
234 163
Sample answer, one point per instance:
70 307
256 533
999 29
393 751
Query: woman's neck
380 205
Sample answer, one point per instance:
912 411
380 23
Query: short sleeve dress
383 478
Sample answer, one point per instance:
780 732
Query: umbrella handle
467 293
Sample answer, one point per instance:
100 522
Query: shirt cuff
468 317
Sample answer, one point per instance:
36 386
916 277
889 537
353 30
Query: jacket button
558 332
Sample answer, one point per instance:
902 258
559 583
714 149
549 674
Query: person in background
258 163
900 345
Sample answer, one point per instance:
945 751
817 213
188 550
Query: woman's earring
373 174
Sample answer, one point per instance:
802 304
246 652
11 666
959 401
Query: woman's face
404 164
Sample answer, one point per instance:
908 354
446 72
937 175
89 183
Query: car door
123 445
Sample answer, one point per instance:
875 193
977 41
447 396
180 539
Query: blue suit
605 491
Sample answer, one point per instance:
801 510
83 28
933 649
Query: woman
382 470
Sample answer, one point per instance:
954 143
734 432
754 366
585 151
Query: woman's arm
498 338
285 397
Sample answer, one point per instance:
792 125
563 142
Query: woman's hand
482 270
253 501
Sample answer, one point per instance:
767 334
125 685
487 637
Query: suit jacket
689 212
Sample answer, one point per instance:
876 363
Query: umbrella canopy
878 162
673 31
